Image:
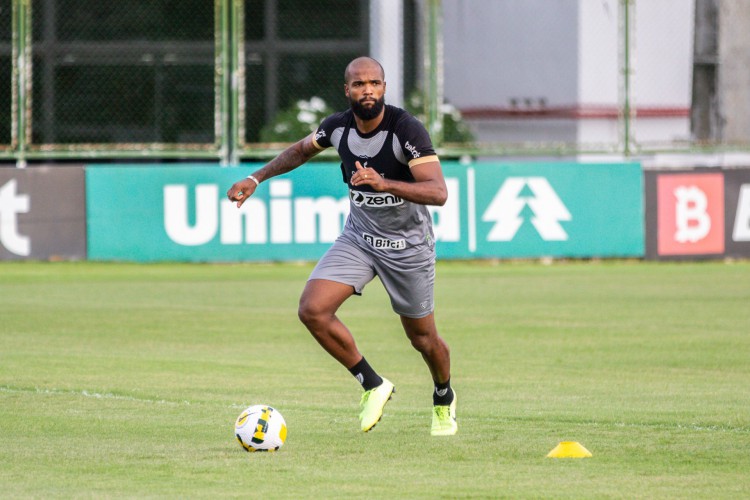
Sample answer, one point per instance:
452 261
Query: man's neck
367 126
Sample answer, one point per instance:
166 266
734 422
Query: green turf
123 380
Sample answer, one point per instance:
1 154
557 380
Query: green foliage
297 121
124 380
303 117
455 129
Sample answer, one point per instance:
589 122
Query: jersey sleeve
415 141
322 136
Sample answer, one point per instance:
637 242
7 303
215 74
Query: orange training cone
569 449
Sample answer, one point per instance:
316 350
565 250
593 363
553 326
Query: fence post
22 53
237 78
434 71
626 112
223 83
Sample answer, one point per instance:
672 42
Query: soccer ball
260 428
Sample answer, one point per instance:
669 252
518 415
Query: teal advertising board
494 210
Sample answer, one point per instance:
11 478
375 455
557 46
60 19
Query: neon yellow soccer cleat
372 404
444 419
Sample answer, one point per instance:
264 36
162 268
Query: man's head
364 85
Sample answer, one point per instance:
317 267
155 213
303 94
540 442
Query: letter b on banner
691 215
690 218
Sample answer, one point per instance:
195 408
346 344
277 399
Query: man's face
366 90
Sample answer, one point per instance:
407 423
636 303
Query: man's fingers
358 165
237 194
240 198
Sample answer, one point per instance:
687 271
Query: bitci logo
690 214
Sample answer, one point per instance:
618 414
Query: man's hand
289 159
241 191
367 176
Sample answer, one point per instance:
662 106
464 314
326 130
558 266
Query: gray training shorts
409 282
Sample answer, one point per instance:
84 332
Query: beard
366 113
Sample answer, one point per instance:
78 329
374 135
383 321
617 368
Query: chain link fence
240 79
7 76
292 55
291 59
125 75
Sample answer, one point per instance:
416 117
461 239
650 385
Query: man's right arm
289 159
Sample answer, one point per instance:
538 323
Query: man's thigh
345 263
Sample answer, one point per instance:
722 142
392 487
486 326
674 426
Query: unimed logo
690 214
13 203
283 219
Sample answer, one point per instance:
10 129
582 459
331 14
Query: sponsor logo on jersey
385 243
319 134
374 199
412 150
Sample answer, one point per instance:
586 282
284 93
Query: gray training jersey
390 226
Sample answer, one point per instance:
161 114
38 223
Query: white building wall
734 70
563 57
598 62
498 50
663 43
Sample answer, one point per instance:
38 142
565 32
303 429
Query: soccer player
392 172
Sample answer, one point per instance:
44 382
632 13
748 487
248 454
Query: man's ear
346 90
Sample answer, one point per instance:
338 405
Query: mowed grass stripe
124 380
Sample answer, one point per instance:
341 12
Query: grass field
124 380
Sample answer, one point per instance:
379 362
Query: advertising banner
147 213
737 220
697 213
533 210
42 213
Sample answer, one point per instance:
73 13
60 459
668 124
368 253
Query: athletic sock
366 376
443 394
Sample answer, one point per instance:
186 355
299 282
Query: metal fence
235 79
8 101
120 79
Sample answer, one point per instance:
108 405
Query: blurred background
235 80
567 128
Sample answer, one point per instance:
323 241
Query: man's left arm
428 187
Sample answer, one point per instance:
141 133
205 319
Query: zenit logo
359 199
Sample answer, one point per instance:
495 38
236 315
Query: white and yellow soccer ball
260 428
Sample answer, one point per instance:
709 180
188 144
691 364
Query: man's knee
418 342
308 312
320 300
422 341
426 340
